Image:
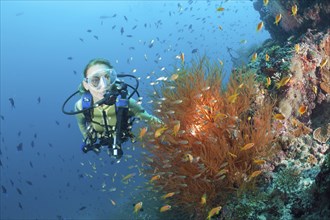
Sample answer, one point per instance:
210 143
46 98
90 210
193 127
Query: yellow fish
160 131
220 61
220 116
260 25
176 128
174 76
297 48
255 174
203 199
254 57
279 116
267 57
247 146
243 41
128 177
182 57
232 155
137 207
268 82
168 195
113 202
220 9
165 208
294 10
213 212
323 62
277 19
259 162
315 89
232 99
283 82
266 2
188 157
143 131
222 172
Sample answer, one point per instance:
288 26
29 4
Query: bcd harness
112 138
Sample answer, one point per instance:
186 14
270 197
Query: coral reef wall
312 14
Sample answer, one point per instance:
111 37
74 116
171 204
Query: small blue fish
194 50
12 103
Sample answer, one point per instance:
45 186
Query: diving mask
108 76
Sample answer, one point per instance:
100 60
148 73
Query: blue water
45 46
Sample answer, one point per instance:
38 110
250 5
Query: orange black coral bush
224 137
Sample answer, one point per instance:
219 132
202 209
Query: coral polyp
215 139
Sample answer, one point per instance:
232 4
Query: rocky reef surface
294 67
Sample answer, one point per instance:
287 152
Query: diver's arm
139 112
81 120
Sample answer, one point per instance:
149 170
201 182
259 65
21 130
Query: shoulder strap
87 102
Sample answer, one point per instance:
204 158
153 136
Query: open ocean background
45 46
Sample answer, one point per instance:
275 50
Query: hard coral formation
322 134
224 138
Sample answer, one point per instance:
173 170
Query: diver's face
97 87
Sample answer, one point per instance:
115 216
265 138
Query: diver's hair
90 64
95 62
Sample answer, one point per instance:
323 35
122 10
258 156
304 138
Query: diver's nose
103 83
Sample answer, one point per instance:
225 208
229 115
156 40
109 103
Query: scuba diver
106 111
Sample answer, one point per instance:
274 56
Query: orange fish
302 109
176 128
295 122
247 146
154 178
220 9
254 57
203 199
255 174
165 208
260 25
213 212
143 131
168 195
174 76
277 19
267 57
294 10
279 116
160 131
